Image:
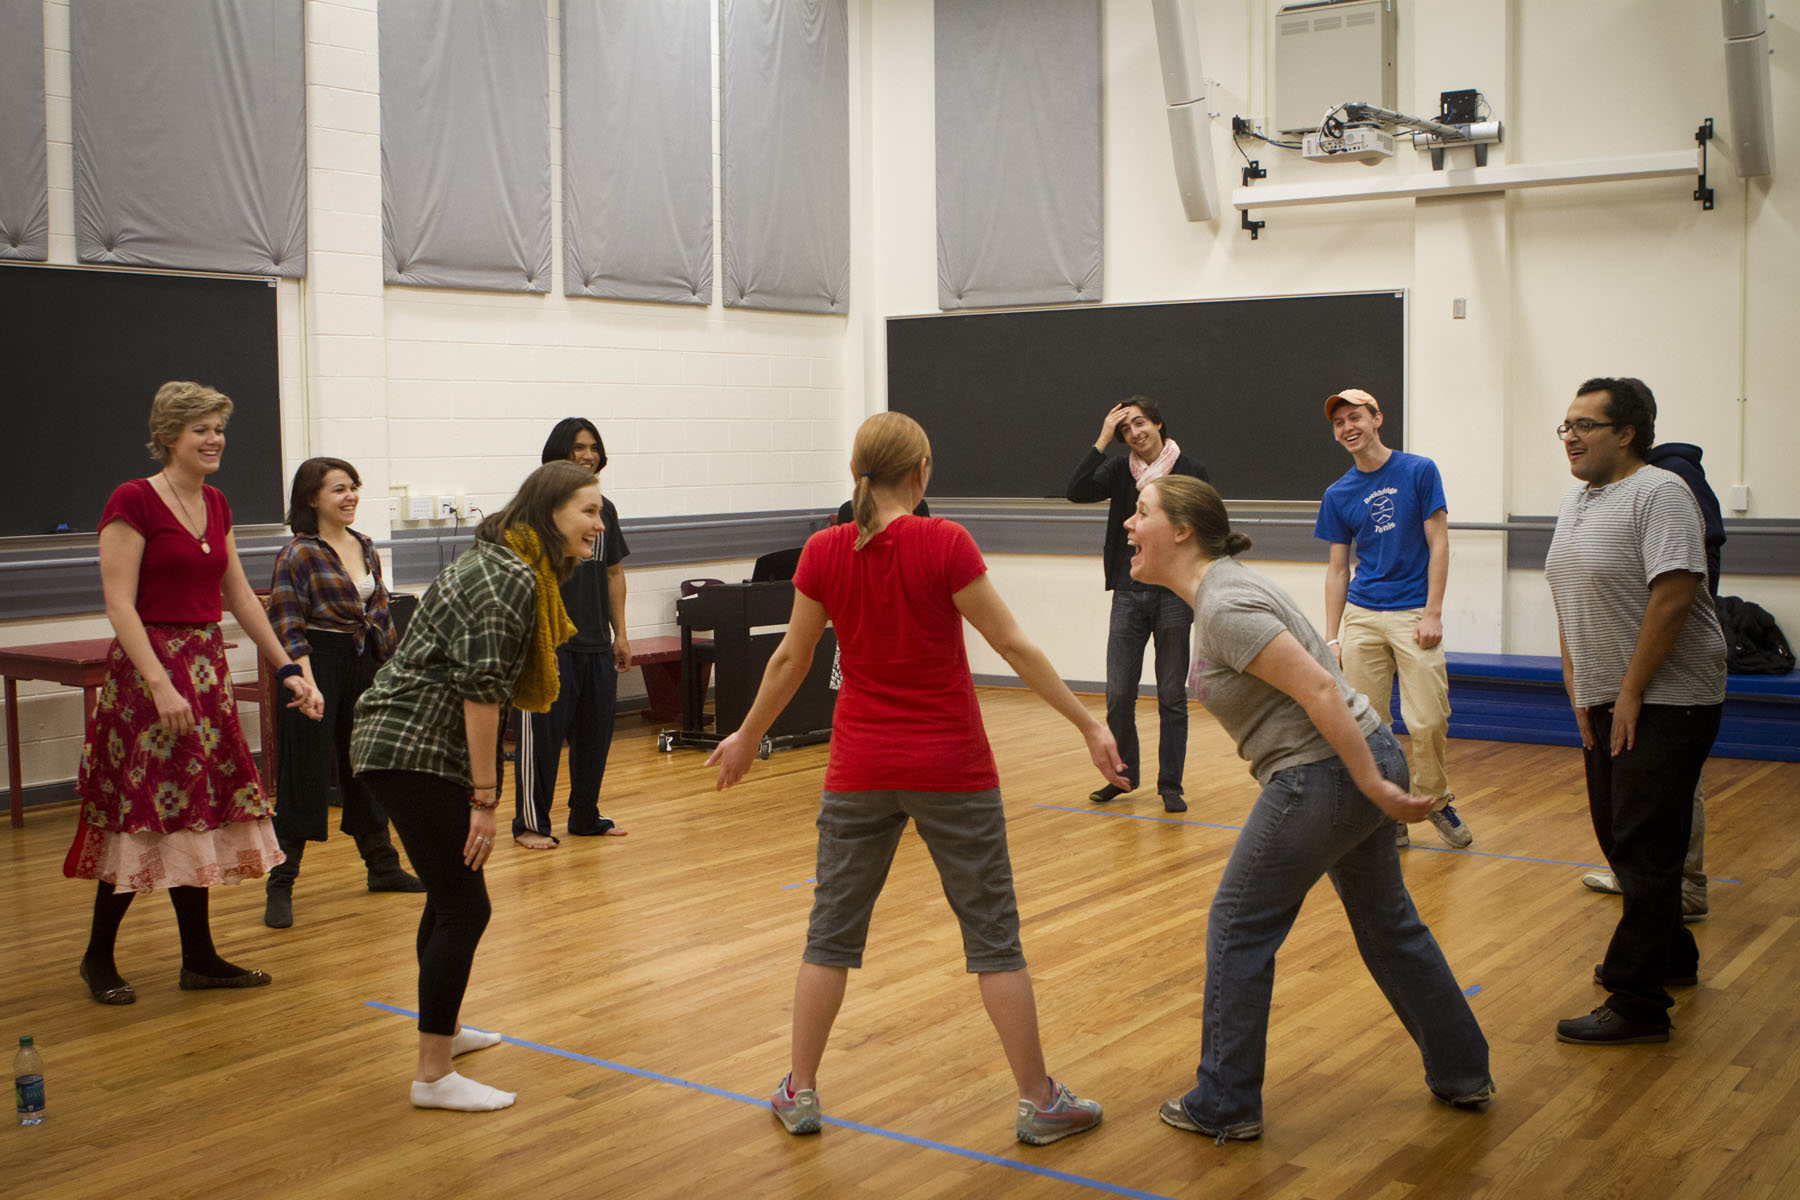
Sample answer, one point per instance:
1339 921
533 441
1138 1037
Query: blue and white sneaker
1450 827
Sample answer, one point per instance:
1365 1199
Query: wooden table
72 664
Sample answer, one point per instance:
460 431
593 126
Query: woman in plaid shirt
486 632
329 607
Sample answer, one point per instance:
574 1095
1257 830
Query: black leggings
431 814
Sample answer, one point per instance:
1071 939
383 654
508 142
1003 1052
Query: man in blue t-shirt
1388 620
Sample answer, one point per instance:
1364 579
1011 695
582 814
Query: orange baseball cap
1349 396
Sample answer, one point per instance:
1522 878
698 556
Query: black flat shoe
1107 793
192 981
394 879
112 995
1604 1027
1173 803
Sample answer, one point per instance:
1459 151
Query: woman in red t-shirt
907 743
169 793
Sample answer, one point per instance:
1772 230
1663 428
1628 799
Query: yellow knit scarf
538 683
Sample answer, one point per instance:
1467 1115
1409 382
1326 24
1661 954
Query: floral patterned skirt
164 811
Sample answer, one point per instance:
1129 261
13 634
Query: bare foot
615 831
535 841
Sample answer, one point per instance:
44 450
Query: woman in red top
907 743
169 793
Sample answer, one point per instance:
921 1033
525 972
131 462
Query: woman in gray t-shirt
1333 781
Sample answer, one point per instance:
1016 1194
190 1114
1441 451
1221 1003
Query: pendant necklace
205 546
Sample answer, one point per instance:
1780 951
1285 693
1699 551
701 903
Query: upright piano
734 612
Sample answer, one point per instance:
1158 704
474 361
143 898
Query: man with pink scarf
1139 611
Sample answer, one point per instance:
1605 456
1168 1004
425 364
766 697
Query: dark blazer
1098 478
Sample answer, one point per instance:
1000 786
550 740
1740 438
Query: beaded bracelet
485 805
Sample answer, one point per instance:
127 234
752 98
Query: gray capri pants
966 835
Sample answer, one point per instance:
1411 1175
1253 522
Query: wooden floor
643 984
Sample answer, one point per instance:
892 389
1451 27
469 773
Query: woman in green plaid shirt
485 633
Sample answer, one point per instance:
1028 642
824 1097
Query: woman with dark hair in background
1333 783
589 665
169 792
907 743
329 607
485 632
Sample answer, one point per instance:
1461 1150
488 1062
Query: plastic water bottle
28 1083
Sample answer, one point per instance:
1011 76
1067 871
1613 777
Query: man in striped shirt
1644 666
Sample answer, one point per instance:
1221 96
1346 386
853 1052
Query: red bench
660 659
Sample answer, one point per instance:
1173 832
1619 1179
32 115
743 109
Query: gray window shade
24 189
190 134
637 150
465 143
1018 151
784 137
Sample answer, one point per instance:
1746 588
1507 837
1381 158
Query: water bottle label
28 1090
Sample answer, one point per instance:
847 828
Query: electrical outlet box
446 507
419 508
1740 497
462 506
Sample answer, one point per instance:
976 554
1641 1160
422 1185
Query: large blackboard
85 351
1012 399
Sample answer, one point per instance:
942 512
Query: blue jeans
1309 821
1136 617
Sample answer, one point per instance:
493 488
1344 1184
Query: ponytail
889 447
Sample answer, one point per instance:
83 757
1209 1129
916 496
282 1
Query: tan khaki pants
1376 647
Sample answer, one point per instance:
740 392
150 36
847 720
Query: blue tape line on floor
1471 989
762 1102
1554 862
788 887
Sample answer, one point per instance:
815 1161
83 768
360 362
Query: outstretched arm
1285 664
981 604
781 679
242 600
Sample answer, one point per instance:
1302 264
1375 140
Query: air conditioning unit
1326 54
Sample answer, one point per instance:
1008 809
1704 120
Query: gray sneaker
1450 827
1401 836
1600 881
1066 1114
1173 1113
799 1113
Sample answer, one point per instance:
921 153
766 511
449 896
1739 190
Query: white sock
467 1041
463 1095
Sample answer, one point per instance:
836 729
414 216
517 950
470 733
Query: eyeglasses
1583 426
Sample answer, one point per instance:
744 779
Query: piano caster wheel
765 748
665 741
